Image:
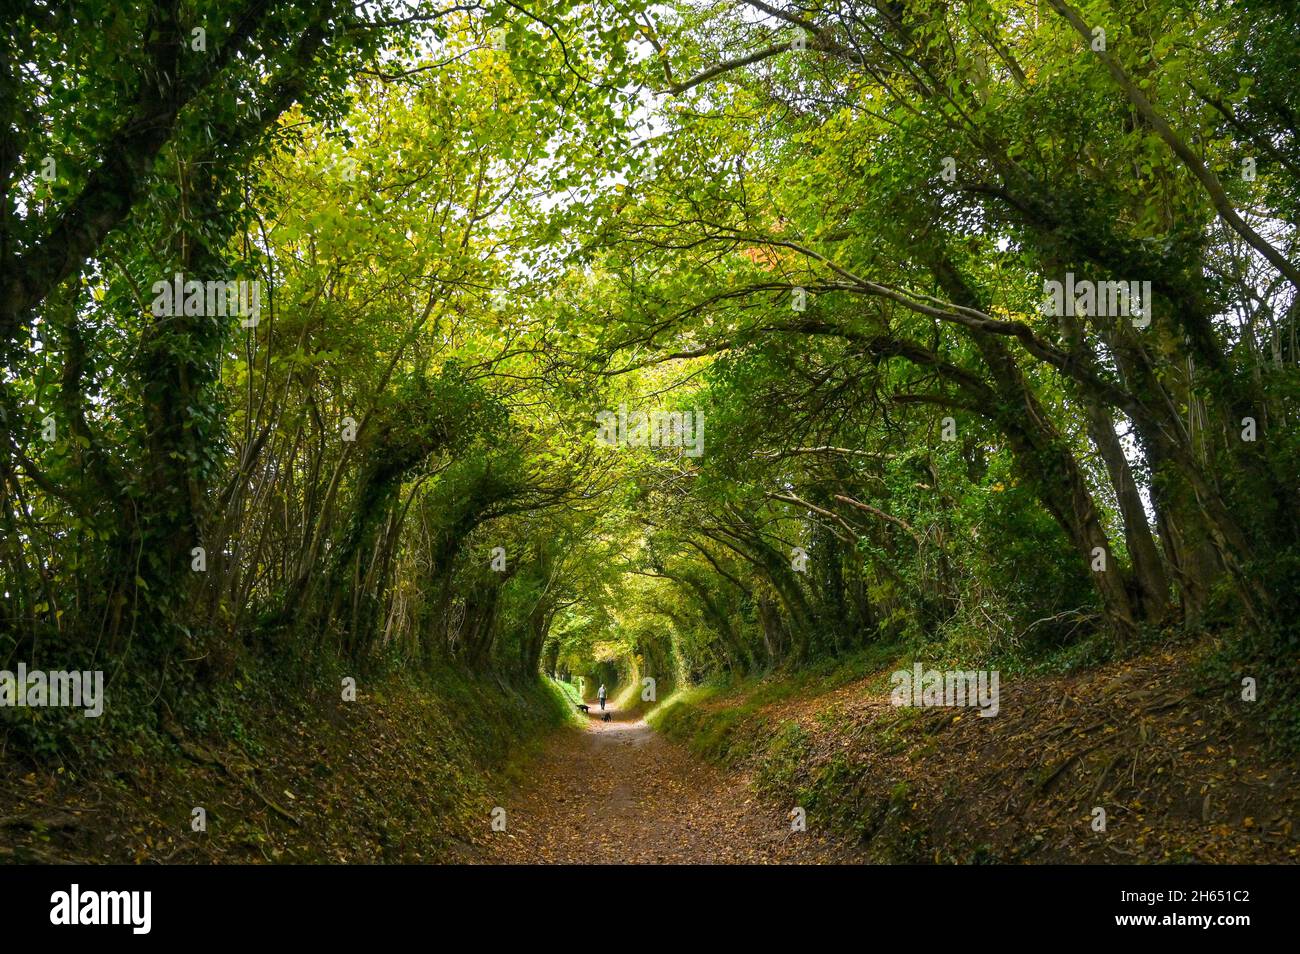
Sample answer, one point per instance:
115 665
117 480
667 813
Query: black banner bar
334 904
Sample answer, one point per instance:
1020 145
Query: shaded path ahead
619 792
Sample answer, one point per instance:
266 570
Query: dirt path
619 793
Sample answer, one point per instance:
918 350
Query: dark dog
605 718
584 708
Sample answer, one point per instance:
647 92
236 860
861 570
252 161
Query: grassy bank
405 772
1173 762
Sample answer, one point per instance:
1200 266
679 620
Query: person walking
601 695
